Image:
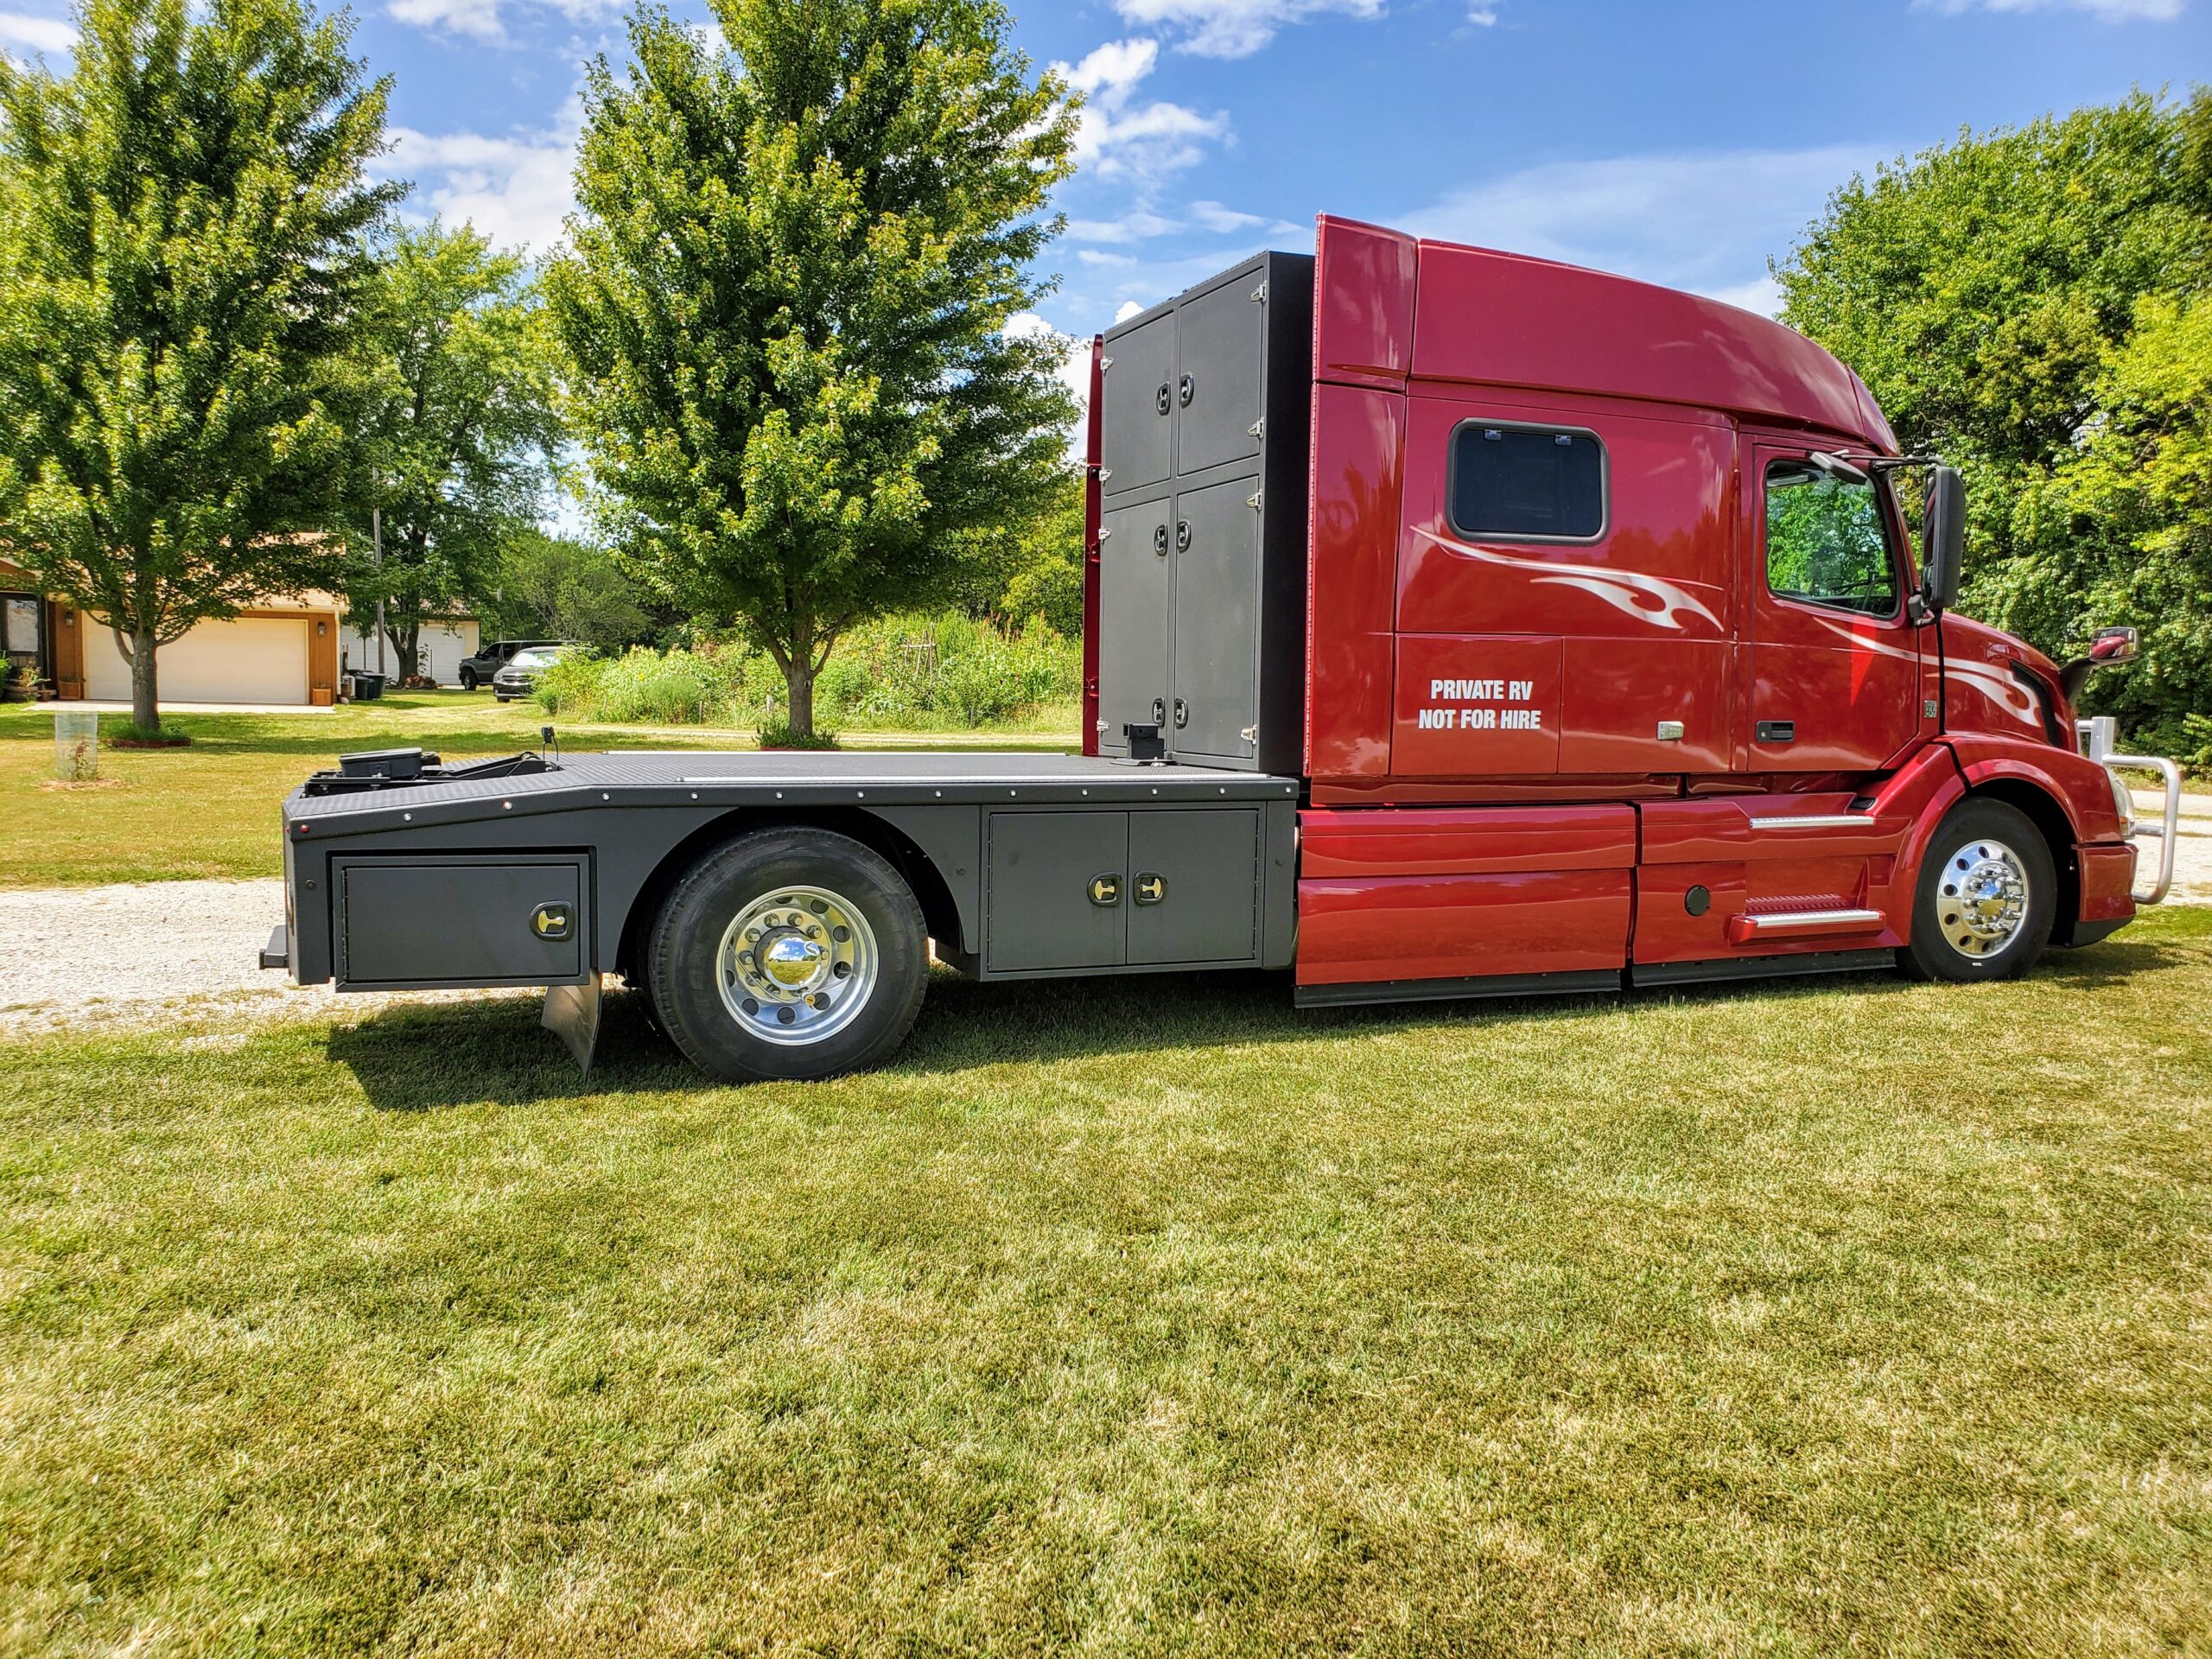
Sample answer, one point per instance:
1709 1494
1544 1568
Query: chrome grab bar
2097 735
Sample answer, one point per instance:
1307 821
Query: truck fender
937 850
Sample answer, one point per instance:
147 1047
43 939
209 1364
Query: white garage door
251 659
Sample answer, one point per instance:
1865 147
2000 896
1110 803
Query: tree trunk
408 642
798 683
145 705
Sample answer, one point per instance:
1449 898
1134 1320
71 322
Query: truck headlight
2124 803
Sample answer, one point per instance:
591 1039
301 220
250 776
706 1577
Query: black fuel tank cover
1697 901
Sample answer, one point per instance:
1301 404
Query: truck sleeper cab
1456 624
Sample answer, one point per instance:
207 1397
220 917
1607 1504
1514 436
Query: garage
247 659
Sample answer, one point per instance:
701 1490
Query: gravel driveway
77 954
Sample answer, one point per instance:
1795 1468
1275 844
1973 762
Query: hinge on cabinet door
1260 295
1104 364
1103 534
1105 473
1256 427
1250 733
1253 500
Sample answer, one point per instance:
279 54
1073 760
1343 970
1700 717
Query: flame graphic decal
1992 683
1647 598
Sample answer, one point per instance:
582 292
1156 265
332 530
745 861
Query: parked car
520 675
483 667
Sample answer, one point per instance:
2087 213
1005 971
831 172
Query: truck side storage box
419 921
1069 891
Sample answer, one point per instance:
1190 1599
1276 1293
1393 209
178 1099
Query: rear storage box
1202 436
417 921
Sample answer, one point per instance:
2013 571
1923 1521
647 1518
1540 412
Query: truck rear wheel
1987 897
790 953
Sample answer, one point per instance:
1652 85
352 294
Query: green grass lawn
211 810
1148 1317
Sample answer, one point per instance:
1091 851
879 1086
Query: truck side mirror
2109 645
1945 519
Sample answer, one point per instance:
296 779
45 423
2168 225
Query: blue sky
1684 141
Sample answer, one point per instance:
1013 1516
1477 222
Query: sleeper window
1824 541
1527 484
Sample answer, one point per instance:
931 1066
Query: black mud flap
572 1014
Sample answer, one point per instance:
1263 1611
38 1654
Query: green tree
2140 482
1991 292
456 429
793 268
1046 575
182 249
557 587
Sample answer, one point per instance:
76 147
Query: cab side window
1527 483
1824 543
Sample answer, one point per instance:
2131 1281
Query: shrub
779 734
902 671
569 685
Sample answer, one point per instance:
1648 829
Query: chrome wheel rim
1981 902
797 965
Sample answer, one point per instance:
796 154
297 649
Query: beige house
282 652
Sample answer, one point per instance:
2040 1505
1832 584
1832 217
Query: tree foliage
181 257
2025 304
787 303
457 425
550 587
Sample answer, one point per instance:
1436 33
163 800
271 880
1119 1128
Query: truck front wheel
790 953
1987 897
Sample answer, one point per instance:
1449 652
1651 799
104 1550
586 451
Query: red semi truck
1456 624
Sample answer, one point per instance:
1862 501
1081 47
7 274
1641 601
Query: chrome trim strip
1779 920
1817 820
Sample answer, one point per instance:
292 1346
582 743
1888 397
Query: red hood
1982 694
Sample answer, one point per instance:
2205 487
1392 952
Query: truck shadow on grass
428 1057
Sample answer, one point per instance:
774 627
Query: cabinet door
1217 382
1136 413
1040 910
1216 699
1135 629
1194 884
460 920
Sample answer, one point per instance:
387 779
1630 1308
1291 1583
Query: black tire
683 968
468 679
1959 930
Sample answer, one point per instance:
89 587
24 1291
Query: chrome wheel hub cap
1982 900
797 965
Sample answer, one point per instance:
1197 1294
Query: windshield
536 658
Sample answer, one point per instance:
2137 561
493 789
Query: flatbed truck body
1456 624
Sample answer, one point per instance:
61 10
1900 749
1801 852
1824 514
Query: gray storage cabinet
421 921
1096 890
1203 441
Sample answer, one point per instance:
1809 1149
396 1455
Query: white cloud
484 20
1127 309
479 19
1233 29
514 190
1117 137
19 29
1482 16
2110 11
1098 257
1135 226
1704 222
1212 216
